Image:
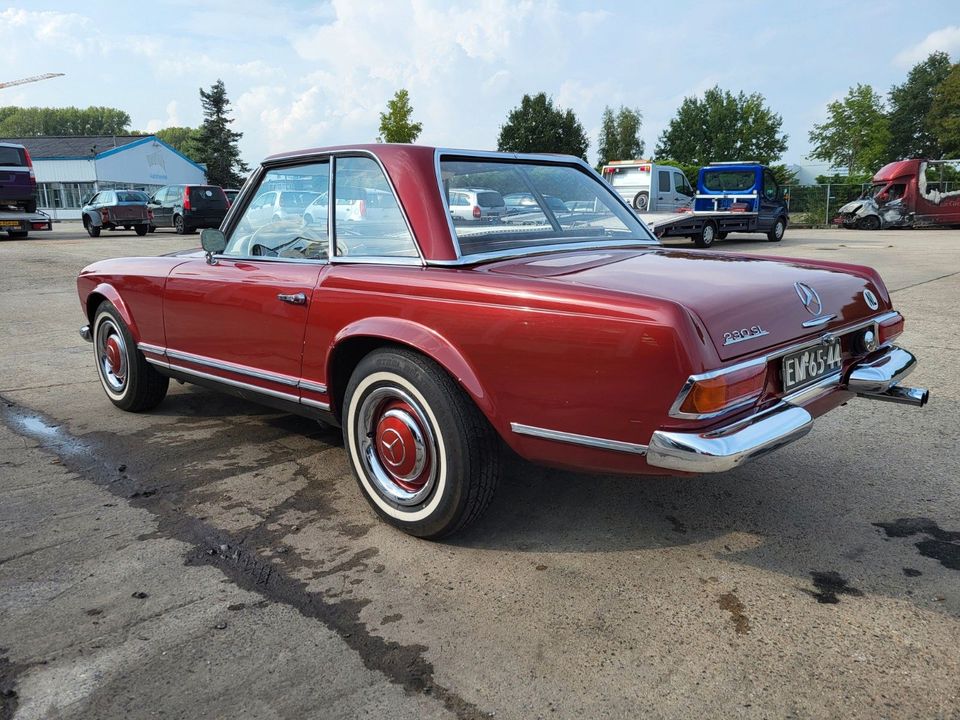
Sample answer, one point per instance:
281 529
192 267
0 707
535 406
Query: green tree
537 126
723 126
944 114
179 138
620 135
395 125
856 134
910 132
35 121
214 143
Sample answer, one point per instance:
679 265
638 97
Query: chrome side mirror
213 242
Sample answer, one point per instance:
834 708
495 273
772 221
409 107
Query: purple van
18 184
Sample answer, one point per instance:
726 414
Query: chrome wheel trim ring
110 342
397 489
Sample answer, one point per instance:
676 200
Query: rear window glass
598 216
11 156
207 196
490 199
131 196
720 180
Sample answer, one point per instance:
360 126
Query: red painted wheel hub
397 446
114 355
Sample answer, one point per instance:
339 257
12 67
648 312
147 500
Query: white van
649 187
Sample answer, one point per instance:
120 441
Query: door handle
296 299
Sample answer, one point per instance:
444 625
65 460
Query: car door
161 214
241 319
665 193
683 193
770 203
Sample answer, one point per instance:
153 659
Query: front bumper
728 447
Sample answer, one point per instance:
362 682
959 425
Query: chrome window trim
764 359
568 160
575 439
256 178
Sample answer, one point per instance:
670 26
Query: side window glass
295 229
95 199
770 188
681 184
366 214
664 180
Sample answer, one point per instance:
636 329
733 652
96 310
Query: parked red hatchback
574 338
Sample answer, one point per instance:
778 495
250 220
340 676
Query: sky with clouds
306 74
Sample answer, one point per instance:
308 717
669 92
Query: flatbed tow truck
17 223
741 197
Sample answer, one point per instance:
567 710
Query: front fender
424 339
108 292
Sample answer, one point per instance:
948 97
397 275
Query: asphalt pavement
215 559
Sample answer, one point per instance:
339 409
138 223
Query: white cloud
946 39
64 31
172 119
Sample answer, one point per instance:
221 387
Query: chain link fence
817 205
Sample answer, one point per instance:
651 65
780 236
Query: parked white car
277 205
649 187
476 205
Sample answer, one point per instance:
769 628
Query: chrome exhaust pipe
907 395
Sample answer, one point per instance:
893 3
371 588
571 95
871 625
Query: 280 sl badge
735 336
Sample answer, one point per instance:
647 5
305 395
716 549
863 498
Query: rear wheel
140 230
179 227
152 228
30 206
17 234
130 382
721 236
776 232
641 201
870 222
708 233
425 457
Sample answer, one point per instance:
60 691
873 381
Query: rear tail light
26 156
186 198
149 214
713 393
476 212
104 214
888 329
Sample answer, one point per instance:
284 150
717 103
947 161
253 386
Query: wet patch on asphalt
731 603
829 586
238 555
9 672
940 545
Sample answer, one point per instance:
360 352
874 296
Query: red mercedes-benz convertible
448 302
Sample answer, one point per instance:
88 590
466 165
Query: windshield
546 205
873 190
736 180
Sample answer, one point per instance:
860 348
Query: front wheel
870 222
130 382
776 232
93 230
425 457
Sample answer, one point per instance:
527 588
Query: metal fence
818 204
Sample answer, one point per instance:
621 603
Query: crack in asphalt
402 665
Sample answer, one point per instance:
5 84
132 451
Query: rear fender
421 338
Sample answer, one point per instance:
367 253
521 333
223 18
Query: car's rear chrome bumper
728 447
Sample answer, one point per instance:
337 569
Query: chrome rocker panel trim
575 439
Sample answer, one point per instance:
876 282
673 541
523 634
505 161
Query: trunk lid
729 293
